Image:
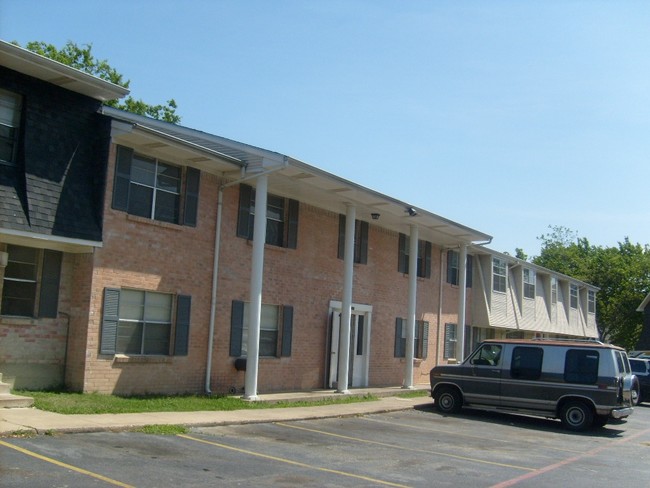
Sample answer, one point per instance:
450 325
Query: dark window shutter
425 340
182 337
192 182
292 228
402 257
244 228
110 319
122 178
341 248
450 341
470 262
236 328
363 242
399 342
427 259
49 296
450 269
287 330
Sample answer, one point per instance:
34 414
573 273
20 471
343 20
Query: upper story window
591 301
30 285
529 283
424 256
154 189
140 322
553 290
573 296
281 218
499 268
10 111
453 268
361 230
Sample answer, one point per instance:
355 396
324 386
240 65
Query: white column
257 275
462 298
412 302
346 303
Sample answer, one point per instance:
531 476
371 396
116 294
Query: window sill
156 223
19 320
123 358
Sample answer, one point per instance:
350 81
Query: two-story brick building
168 279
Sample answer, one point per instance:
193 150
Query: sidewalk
40 422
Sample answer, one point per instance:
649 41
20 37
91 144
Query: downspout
215 265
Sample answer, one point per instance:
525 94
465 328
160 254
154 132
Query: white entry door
359 347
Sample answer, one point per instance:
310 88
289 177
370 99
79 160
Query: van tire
576 416
448 400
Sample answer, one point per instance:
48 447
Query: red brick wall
142 254
33 350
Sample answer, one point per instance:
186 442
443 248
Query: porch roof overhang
288 177
46 241
32 64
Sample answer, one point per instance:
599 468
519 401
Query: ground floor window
276 330
138 322
30 285
421 338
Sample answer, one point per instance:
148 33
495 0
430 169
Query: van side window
488 355
526 363
581 366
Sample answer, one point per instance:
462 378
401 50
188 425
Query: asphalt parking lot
413 448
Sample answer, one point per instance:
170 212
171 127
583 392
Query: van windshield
487 355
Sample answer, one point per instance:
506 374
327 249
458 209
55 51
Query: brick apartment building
133 260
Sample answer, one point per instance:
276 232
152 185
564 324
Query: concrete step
4 388
7 400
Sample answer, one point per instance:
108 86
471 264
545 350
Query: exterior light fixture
412 212
375 216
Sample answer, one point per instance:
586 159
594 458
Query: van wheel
448 400
576 416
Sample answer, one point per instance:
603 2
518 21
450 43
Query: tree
621 273
82 58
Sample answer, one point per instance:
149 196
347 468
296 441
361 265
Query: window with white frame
30 285
145 322
10 112
553 290
453 268
451 341
499 270
154 189
276 330
140 322
591 301
281 218
529 283
420 339
573 296
361 233
423 267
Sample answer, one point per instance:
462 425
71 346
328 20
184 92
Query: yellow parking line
395 446
294 463
67 466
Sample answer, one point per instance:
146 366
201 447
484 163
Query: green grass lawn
93 403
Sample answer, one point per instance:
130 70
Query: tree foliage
82 58
621 273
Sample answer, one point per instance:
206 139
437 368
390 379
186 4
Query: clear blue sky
505 116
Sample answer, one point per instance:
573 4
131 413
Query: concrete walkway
15 420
